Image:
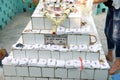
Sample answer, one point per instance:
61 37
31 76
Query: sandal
115 67
109 57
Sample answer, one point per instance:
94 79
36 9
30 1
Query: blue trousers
112 30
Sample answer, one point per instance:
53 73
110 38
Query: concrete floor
11 33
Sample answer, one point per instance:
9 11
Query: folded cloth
7 60
60 63
36 46
40 46
87 63
63 48
77 63
95 64
51 62
55 47
69 64
26 46
32 62
23 62
95 47
46 47
42 62
85 29
15 61
68 31
60 30
73 47
73 30
83 47
78 31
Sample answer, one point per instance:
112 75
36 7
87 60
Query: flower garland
57 22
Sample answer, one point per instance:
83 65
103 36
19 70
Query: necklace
55 22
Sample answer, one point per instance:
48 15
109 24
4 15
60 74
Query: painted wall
9 8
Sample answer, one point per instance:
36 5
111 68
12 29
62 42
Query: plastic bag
116 4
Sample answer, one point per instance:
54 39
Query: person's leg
116 65
1 64
109 33
116 36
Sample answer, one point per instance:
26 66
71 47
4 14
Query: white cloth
116 4
60 63
42 63
51 62
32 62
14 61
7 60
23 61
73 47
60 30
69 64
77 63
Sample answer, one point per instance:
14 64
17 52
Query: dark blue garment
112 30
109 28
0 63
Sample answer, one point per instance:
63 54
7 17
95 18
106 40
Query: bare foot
115 67
109 56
